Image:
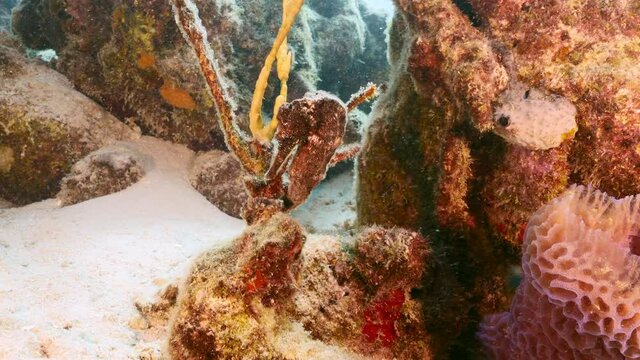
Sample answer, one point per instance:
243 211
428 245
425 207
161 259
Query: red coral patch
380 319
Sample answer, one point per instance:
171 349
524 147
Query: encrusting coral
579 297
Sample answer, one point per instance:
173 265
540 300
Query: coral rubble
579 296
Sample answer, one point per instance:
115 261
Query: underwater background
346 179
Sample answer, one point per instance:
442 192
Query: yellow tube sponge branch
279 52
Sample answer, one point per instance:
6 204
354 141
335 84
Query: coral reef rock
219 177
131 58
579 80
274 294
579 295
45 127
234 295
102 172
455 151
423 154
587 53
4 204
361 296
508 202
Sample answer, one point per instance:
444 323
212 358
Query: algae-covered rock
362 295
234 296
218 176
131 58
433 162
419 165
45 127
273 295
4 204
588 53
102 172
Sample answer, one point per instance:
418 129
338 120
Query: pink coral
579 297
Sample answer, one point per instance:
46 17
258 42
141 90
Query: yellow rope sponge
264 134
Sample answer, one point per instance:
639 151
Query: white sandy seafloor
69 276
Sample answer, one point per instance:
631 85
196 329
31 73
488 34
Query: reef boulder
45 127
218 176
361 295
562 95
233 296
102 172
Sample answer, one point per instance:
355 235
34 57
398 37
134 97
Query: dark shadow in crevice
468 11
